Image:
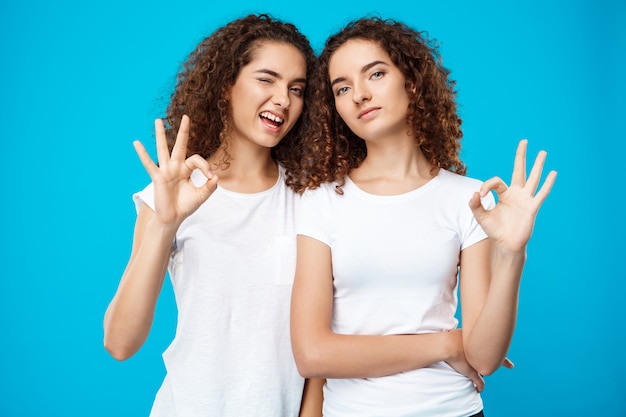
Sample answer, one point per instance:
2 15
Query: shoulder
462 187
460 180
452 180
324 195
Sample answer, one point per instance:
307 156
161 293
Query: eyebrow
364 69
277 75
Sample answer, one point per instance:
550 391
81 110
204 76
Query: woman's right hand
175 195
458 362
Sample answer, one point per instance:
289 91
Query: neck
249 170
396 157
393 167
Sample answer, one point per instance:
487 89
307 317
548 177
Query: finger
508 364
207 189
145 158
180 147
519 166
535 172
197 162
545 188
477 207
496 184
479 212
204 185
479 382
163 152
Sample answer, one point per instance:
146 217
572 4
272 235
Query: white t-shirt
232 269
395 262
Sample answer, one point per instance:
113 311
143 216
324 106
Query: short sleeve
145 196
313 219
473 232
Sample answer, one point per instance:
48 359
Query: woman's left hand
510 223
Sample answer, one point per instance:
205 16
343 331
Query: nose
281 97
360 93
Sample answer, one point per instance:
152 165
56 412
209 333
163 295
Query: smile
271 119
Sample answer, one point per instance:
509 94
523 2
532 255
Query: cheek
340 109
296 110
346 119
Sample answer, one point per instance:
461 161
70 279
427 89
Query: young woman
220 214
385 228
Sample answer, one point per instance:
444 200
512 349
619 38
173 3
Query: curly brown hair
331 150
212 69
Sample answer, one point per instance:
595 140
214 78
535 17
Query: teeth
272 117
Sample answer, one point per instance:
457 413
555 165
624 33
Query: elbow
118 353
487 370
483 366
309 366
310 361
119 341
485 359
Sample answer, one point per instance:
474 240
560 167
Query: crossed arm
490 277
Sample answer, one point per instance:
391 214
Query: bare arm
312 398
129 316
491 270
320 353
489 306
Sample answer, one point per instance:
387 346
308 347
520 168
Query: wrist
452 345
162 230
507 267
503 254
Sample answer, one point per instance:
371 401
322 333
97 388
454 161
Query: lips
271 119
367 113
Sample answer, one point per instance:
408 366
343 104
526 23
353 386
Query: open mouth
271 119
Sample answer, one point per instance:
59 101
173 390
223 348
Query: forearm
312 398
129 317
487 342
321 353
331 355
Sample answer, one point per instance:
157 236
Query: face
268 95
369 90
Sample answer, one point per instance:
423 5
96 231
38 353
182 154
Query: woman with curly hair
385 228
219 215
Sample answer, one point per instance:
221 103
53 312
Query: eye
341 91
299 91
266 80
377 74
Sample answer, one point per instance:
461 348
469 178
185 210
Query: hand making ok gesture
510 223
175 195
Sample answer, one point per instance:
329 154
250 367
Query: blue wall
80 80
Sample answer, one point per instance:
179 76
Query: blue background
80 80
